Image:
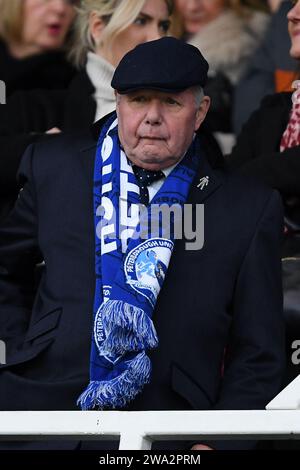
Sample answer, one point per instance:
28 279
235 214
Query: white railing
137 430
2 92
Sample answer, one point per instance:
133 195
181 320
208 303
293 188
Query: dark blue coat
218 316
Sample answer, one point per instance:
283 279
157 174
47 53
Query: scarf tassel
127 328
121 390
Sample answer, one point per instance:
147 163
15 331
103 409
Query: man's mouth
146 137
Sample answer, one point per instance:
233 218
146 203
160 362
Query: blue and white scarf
130 271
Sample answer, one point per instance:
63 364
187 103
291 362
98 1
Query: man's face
156 128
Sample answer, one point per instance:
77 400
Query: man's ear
96 26
202 111
117 97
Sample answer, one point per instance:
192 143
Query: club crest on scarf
146 266
130 273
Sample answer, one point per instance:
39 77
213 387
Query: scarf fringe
116 393
128 328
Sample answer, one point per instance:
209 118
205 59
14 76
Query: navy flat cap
166 64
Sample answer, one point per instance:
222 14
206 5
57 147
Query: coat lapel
206 182
209 177
87 162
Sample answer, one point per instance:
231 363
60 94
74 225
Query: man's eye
171 101
139 99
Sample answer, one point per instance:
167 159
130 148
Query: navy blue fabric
220 308
167 64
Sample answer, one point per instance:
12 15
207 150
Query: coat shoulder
55 153
248 192
277 100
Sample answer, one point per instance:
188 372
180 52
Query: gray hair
199 95
197 91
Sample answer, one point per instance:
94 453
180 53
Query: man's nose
154 114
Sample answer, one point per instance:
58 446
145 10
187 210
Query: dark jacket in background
257 154
49 70
28 115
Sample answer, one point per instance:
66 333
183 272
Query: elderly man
126 321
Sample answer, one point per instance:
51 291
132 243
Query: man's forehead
151 93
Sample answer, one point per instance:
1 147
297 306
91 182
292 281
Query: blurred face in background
274 5
45 26
198 13
294 29
151 23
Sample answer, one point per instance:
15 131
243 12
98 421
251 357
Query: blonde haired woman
32 36
104 31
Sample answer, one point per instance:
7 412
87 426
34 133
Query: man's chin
151 157
152 165
152 162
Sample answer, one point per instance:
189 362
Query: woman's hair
11 20
242 6
117 14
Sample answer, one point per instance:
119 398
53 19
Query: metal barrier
137 430
2 92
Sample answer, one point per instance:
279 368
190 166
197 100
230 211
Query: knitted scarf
130 271
291 136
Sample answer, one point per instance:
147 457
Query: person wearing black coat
48 70
270 69
257 152
49 346
33 44
261 150
29 115
260 153
218 315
